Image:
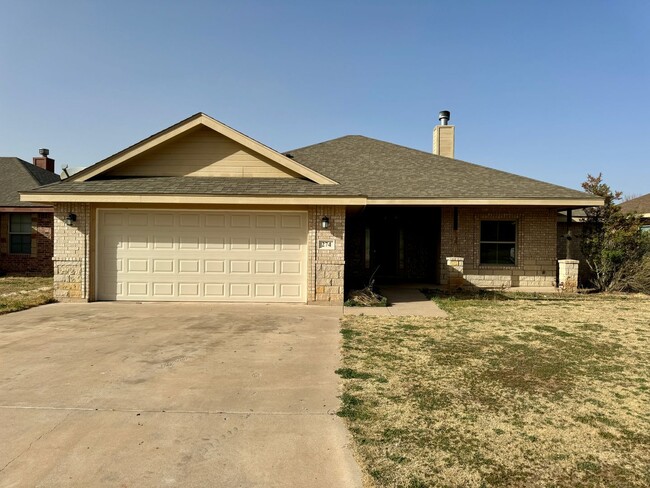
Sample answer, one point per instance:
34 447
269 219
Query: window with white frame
20 233
498 242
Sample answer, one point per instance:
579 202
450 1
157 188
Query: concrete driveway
137 395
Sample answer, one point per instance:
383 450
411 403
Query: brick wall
72 252
39 262
326 266
535 250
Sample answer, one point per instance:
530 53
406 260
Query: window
20 233
498 242
645 228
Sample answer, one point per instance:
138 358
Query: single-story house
200 211
641 206
25 228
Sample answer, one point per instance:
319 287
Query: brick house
26 242
200 211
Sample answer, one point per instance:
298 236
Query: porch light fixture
70 219
325 223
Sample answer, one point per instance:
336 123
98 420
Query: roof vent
46 152
444 117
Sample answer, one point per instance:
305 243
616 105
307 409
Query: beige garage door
207 256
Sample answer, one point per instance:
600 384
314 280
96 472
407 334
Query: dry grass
19 293
528 391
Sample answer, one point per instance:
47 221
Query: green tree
612 242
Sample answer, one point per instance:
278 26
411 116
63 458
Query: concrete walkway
404 300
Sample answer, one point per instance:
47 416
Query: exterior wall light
70 219
325 223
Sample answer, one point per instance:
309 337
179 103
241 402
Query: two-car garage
192 255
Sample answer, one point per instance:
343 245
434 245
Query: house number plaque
326 244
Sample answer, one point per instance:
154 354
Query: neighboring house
200 211
25 228
641 206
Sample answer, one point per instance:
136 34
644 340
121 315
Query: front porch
459 247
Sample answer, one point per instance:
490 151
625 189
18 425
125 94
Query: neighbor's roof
18 175
639 205
382 170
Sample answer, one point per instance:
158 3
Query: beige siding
443 140
202 152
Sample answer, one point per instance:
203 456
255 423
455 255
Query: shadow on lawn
493 295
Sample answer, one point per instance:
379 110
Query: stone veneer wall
326 266
39 262
72 252
536 246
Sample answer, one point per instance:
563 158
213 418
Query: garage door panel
240 290
190 255
215 265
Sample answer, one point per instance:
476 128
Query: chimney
44 161
443 136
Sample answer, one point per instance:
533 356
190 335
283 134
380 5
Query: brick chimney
443 136
43 161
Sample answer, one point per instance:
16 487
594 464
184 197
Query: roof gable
199 146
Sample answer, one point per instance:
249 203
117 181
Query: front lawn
19 293
508 391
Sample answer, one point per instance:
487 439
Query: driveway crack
34 441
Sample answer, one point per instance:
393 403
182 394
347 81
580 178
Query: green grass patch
20 293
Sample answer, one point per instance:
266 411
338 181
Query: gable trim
188 124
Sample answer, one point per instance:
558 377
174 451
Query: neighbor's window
498 241
20 233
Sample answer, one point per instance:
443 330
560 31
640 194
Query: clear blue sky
552 90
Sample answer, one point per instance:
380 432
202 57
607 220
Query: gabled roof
639 205
351 170
385 171
184 126
18 175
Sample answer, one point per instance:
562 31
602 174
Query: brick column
326 260
454 273
568 274
71 252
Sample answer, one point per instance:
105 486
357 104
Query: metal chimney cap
444 116
45 152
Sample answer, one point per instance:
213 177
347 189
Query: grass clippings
20 293
507 391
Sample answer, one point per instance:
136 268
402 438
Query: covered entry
402 244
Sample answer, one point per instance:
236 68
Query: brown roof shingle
194 185
18 175
380 169
639 205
